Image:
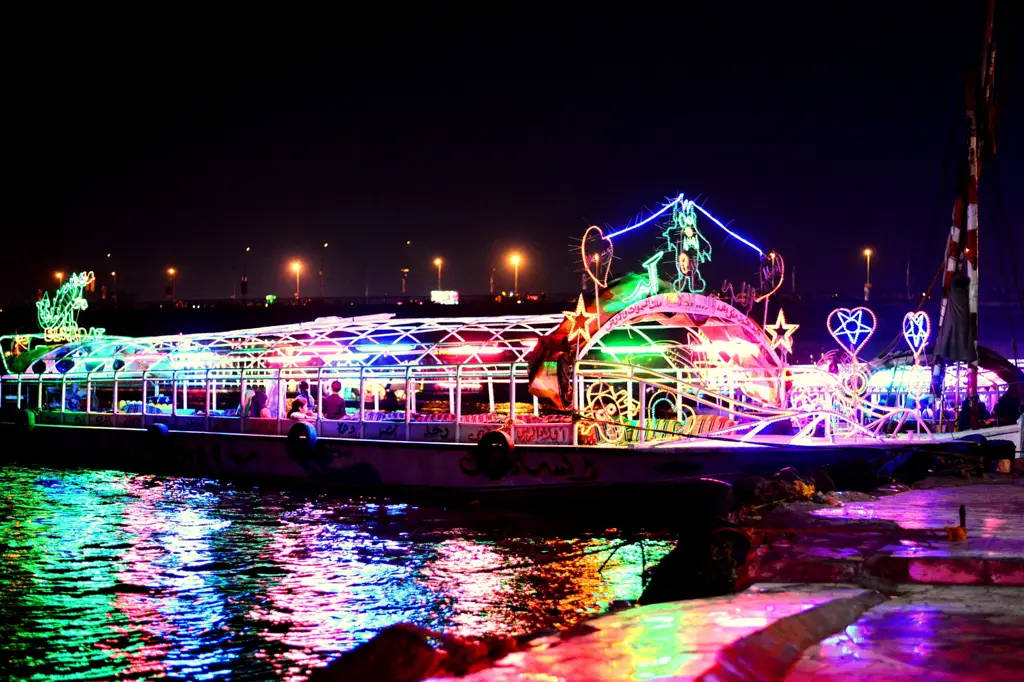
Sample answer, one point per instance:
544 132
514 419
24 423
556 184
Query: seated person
299 412
304 394
259 403
334 404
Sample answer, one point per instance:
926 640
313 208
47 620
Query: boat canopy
372 340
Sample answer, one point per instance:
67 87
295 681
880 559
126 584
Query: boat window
102 391
263 382
159 393
477 385
75 395
51 395
30 395
225 396
9 394
348 379
129 395
190 395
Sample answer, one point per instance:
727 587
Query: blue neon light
392 348
647 220
718 222
672 203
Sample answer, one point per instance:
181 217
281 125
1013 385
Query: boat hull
384 465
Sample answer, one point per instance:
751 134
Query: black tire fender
159 438
25 420
494 455
301 440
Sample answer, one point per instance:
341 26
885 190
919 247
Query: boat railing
446 403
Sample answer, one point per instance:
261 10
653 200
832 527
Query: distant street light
867 282
515 259
438 262
60 277
297 267
245 272
322 270
172 274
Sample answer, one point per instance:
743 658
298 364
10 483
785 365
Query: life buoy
25 420
494 455
301 441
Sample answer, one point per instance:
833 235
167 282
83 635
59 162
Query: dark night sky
818 128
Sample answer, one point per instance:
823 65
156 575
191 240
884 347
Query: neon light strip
644 222
470 350
718 222
466 385
633 350
392 348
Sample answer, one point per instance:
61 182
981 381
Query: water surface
106 575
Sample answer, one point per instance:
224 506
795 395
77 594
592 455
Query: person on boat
334 404
299 411
258 406
304 394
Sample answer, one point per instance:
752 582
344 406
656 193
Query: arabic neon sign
58 317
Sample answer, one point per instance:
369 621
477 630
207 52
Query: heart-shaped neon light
597 251
917 327
852 328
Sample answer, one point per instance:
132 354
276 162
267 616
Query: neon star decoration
854 328
580 320
917 327
781 333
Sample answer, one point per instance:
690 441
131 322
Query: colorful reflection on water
112 576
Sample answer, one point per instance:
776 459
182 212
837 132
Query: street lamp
172 273
60 277
867 282
245 272
438 263
322 270
297 267
515 259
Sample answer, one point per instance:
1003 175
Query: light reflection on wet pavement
994 510
113 576
929 633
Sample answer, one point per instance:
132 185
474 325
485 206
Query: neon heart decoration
597 252
917 327
853 329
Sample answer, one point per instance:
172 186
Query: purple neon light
700 208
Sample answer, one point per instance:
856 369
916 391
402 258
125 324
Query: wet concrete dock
870 590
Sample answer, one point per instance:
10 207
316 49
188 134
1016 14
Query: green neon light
58 317
689 247
633 350
648 287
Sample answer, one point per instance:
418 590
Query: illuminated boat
649 382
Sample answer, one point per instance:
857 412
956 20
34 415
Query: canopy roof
377 340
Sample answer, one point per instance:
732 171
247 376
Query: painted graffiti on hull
563 467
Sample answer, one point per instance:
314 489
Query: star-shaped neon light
917 328
781 333
580 320
852 332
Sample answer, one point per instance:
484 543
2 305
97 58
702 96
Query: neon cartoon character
688 247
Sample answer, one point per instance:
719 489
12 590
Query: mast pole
979 148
